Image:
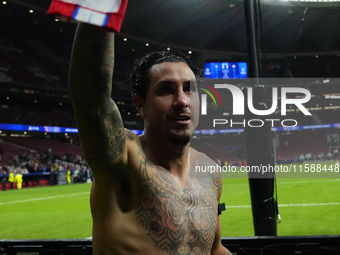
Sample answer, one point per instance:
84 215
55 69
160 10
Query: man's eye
166 89
190 89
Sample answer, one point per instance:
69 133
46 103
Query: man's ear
140 104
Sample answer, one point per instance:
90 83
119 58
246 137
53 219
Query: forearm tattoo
100 125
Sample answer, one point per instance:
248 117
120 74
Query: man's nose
182 100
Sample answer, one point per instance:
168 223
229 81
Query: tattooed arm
218 248
99 122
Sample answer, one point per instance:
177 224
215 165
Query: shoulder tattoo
130 135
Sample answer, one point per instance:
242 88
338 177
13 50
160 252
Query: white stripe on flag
106 6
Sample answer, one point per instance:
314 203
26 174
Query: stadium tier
43 144
10 150
34 58
41 117
292 145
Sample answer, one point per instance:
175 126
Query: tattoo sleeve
99 122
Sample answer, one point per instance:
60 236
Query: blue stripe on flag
75 12
106 20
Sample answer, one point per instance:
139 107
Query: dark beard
179 140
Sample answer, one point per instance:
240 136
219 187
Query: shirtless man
145 198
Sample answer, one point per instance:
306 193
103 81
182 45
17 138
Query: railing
236 245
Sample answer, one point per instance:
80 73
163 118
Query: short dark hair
139 77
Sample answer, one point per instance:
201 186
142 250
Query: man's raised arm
98 119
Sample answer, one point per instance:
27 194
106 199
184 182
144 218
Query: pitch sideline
231 206
43 198
299 182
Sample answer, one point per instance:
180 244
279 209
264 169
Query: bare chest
179 220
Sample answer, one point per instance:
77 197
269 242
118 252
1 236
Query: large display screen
225 70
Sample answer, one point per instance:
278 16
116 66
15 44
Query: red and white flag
108 14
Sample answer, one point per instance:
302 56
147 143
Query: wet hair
140 74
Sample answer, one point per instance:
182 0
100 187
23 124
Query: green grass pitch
307 206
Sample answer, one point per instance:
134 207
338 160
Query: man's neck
174 158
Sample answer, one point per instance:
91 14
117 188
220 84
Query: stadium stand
10 150
42 117
292 145
30 56
43 144
330 116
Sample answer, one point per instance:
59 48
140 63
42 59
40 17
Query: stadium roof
216 25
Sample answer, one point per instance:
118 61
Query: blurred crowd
331 155
29 168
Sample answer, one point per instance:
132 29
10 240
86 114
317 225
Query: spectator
69 174
26 178
329 155
18 178
84 175
78 159
43 168
61 168
56 172
3 178
75 176
35 175
11 178
336 154
48 168
52 177
80 176
30 170
301 158
91 175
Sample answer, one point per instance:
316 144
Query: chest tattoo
178 220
